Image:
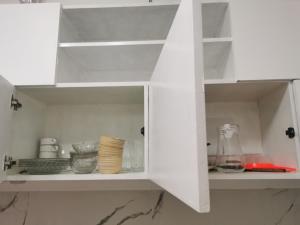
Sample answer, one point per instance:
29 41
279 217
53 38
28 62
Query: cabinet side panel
277 114
28 127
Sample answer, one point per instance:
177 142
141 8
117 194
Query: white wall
87 208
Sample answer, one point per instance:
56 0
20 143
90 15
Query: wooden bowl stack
110 155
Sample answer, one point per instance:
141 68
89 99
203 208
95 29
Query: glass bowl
83 163
85 147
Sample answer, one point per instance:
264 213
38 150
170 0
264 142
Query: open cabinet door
28 43
177 130
6 92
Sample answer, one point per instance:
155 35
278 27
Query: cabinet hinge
8 162
15 104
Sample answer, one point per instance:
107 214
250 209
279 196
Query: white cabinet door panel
28 43
6 91
177 146
266 36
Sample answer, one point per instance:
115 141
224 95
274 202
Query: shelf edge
110 43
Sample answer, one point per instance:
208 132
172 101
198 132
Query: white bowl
48 155
48 141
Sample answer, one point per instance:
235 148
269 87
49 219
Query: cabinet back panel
74 123
88 122
245 114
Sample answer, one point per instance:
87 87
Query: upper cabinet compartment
28 43
217 42
109 43
215 20
129 23
266 39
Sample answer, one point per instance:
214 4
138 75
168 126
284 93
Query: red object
267 167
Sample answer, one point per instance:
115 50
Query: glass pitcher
229 156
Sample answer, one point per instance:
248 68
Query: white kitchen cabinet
244 44
28 43
264 111
138 71
266 39
171 107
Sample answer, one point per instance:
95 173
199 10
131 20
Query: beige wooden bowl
110 155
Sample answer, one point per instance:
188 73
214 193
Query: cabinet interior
107 63
108 44
217 41
263 111
73 115
216 20
107 24
218 61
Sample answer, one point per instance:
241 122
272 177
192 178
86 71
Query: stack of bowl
110 155
84 159
48 148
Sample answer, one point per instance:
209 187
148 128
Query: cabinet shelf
84 182
115 22
219 81
78 177
98 182
254 180
214 40
111 43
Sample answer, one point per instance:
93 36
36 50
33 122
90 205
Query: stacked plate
110 155
44 166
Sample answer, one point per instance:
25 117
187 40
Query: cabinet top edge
103 84
119 5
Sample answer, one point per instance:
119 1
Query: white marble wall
269 207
